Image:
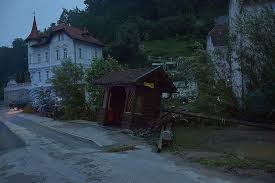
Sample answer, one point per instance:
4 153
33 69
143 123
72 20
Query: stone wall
16 95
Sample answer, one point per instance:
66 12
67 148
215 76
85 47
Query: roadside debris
122 148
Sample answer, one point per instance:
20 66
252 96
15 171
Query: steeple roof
34 35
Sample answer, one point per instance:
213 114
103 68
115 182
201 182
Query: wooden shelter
133 97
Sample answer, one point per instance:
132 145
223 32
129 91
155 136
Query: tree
124 25
214 96
68 84
98 68
256 55
19 43
13 60
1 91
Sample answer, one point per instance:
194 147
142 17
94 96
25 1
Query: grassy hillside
169 47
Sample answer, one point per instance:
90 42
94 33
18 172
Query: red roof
34 35
73 32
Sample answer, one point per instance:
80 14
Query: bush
43 100
94 93
29 109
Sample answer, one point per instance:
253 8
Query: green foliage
1 91
257 58
230 163
14 60
43 99
68 85
123 25
169 47
97 70
214 96
19 43
29 109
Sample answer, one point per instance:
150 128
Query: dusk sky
17 16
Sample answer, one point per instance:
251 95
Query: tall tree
68 85
257 58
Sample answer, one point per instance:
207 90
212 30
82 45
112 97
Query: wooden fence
223 120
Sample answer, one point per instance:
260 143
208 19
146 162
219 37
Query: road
8 141
30 153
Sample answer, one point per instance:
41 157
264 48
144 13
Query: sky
16 16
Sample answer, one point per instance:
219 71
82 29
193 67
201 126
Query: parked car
18 104
21 104
12 105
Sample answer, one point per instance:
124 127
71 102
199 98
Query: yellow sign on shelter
149 85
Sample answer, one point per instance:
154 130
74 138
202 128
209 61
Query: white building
229 64
46 50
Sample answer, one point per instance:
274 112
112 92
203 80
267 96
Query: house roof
218 35
73 32
34 35
136 77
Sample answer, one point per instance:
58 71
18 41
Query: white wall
72 46
89 53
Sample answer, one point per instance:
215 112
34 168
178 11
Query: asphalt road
8 140
35 154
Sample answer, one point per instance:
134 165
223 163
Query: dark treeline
13 63
124 24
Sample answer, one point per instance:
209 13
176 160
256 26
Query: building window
80 53
47 56
65 53
38 57
57 54
39 76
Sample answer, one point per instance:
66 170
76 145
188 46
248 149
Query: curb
64 133
70 134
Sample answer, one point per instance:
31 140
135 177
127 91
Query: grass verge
234 164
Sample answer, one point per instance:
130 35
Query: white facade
42 59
